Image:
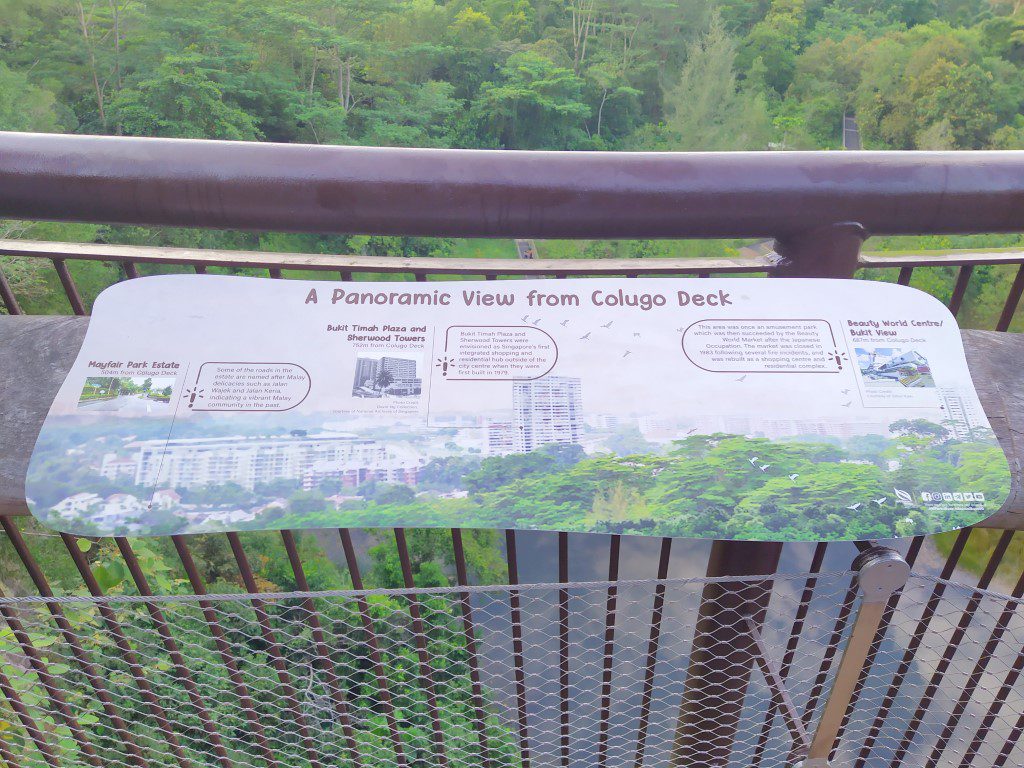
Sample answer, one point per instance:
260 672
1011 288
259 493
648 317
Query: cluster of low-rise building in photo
125 511
245 461
251 461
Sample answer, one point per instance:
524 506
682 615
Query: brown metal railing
819 206
811 609
347 268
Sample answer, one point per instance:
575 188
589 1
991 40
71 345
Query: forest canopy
520 74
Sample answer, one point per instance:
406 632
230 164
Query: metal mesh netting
642 673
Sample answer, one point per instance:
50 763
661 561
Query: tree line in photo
706 486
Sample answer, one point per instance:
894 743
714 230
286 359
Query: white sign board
743 409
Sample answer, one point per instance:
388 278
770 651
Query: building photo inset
386 375
889 367
126 394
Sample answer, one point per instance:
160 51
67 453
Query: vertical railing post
724 650
828 251
880 573
7 296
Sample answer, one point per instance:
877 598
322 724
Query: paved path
851 133
526 249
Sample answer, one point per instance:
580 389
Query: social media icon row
965 496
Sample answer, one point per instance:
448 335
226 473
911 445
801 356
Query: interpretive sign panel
752 409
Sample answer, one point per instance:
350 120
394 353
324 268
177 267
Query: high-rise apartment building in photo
398 367
366 373
961 413
501 437
547 410
248 461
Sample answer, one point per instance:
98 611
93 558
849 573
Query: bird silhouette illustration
691 431
752 459
741 378
608 324
847 405
627 353
564 323
585 336
881 501
525 318
854 507
764 467
794 476
537 321
845 391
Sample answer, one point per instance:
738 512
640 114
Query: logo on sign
903 497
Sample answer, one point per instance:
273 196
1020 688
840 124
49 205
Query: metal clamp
880 572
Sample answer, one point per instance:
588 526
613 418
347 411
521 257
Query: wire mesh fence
678 672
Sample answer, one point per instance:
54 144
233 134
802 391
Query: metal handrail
489 193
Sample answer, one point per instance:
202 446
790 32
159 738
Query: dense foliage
525 74
706 487
313 697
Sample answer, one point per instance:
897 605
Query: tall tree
535 104
183 98
707 109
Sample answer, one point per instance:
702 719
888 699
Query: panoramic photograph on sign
261 404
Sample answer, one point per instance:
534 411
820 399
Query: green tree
775 41
183 98
25 106
533 104
618 507
919 428
706 108
472 51
497 471
27 277
627 440
393 494
302 502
